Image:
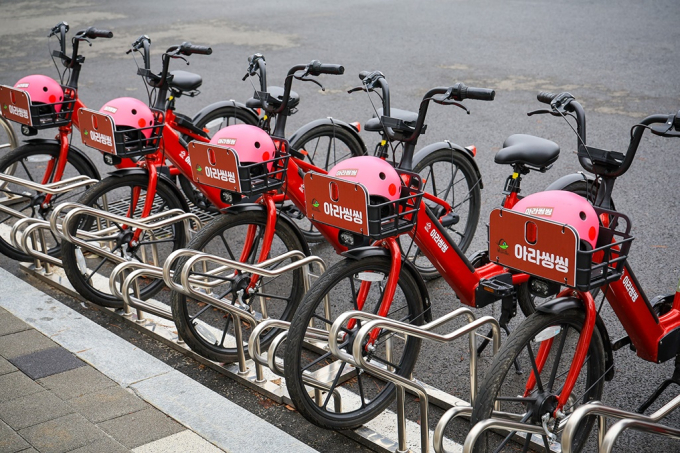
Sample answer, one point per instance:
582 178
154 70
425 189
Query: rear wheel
35 163
316 381
448 175
209 329
323 146
557 336
211 123
88 270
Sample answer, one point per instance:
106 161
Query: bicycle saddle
275 99
528 150
185 81
407 117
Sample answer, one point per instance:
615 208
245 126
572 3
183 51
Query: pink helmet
563 207
378 177
42 89
130 113
252 144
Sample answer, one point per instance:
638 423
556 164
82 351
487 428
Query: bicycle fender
94 173
251 207
231 103
429 149
564 181
360 253
325 121
562 304
162 179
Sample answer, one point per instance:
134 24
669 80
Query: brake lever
543 112
352 90
302 79
457 104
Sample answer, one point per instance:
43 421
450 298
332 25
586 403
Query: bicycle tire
29 162
98 197
405 306
439 165
198 327
311 142
502 386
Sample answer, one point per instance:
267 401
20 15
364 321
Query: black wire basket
604 264
393 218
45 116
133 142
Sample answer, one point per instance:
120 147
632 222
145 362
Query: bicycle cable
387 137
575 132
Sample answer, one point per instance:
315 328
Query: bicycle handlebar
600 162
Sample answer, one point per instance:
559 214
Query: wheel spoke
334 384
558 357
535 368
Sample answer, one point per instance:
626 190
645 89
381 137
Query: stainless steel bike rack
632 420
31 228
239 313
406 383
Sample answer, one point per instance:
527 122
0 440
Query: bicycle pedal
493 289
498 287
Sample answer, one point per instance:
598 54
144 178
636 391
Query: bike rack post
254 350
438 438
238 313
494 423
405 383
36 233
649 423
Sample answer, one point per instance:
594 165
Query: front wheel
553 336
88 270
316 381
323 146
208 329
36 163
448 175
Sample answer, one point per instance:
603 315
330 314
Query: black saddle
528 150
410 118
185 81
275 99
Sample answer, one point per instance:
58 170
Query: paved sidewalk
69 385
51 401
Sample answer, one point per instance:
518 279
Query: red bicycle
252 232
126 128
565 343
39 102
380 279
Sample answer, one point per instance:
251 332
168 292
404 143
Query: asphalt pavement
620 59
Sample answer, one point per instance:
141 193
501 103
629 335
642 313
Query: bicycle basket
345 205
550 250
17 107
99 131
219 166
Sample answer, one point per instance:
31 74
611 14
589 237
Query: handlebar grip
545 97
480 94
332 69
364 74
93 33
187 49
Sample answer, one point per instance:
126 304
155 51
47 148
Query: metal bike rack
406 383
31 228
632 420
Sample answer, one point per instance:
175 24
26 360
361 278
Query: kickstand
508 311
675 379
